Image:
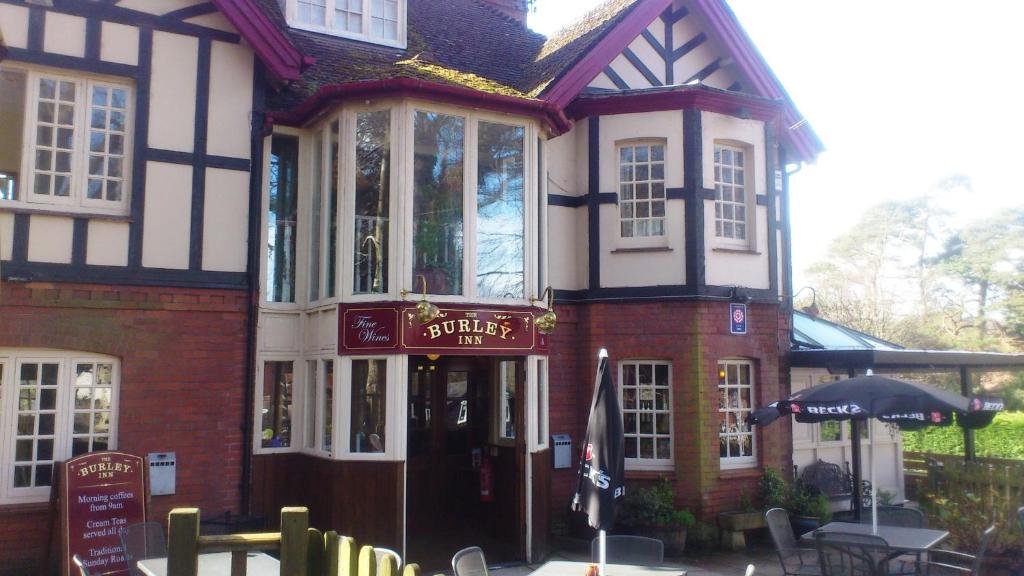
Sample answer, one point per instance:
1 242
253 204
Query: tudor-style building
218 219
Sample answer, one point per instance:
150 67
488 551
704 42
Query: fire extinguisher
486 481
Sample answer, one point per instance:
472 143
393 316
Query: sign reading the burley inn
458 329
102 493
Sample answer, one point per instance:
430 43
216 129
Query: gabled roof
472 46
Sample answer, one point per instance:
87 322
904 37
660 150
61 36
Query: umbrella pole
601 557
874 484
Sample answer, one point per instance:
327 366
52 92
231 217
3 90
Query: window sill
649 474
736 250
641 249
733 473
22 209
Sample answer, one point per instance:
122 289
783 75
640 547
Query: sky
904 94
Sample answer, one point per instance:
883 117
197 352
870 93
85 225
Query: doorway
465 415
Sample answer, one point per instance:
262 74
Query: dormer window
377 21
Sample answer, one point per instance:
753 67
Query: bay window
276 412
372 203
377 21
367 432
323 214
735 401
500 221
68 141
646 395
282 219
54 405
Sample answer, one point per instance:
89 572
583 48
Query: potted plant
651 512
748 517
807 510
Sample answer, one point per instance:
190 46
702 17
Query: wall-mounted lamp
546 322
811 309
425 311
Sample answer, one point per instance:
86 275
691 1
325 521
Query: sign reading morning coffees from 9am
458 329
103 492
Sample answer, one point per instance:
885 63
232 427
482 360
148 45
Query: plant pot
673 538
803 524
740 521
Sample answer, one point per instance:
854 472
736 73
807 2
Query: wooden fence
304 551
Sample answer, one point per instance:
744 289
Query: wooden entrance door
453 427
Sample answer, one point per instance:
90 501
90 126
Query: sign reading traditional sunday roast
102 493
458 329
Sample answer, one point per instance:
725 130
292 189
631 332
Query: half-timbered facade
310 248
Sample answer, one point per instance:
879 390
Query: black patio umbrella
910 405
602 462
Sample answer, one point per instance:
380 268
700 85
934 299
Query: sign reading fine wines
103 492
458 329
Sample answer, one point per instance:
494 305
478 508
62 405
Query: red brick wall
182 354
694 336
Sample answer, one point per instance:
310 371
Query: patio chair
637 550
82 570
899 516
965 563
141 541
469 562
380 553
842 554
796 561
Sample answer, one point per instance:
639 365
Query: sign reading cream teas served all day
457 330
103 492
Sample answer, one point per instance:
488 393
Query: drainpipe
253 270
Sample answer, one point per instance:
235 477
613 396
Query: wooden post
331 556
315 552
348 556
294 542
367 561
388 566
411 570
239 563
183 542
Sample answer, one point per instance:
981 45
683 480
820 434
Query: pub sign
737 318
458 330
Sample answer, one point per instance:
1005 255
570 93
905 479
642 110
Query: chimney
515 9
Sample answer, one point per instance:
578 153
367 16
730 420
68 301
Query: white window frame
537 403
348 206
732 462
749 203
323 225
76 201
291 11
317 382
10 361
298 290
395 410
498 412
639 463
469 207
650 239
298 404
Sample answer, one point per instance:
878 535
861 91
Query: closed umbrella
600 484
910 405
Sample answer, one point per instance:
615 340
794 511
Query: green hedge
1004 438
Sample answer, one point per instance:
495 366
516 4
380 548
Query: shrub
654 506
702 535
1001 439
772 488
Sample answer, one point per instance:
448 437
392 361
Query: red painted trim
283 60
701 98
308 110
565 89
806 143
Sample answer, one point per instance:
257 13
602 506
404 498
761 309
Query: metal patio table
898 537
218 564
569 568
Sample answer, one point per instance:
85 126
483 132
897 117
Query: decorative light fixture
546 322
812 308
425 311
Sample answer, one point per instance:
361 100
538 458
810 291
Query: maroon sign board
101 493
458 330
